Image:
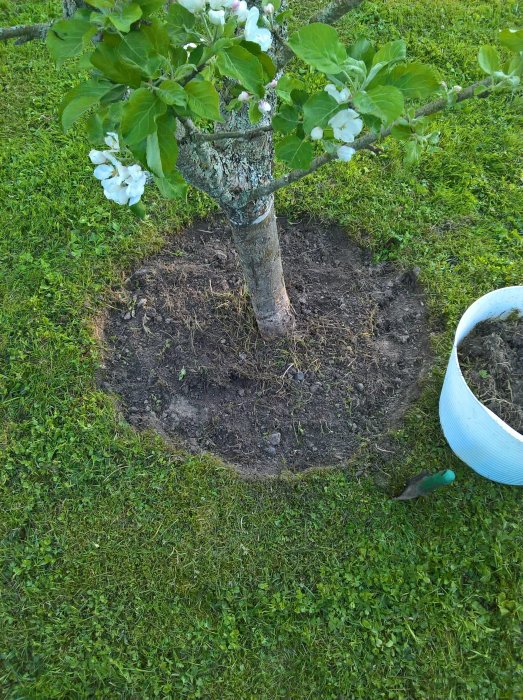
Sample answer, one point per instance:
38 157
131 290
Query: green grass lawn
132 572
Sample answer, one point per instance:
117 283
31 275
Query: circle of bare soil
491 357
185 358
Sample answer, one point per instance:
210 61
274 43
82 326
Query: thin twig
365 141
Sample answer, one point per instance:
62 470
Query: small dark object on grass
424 483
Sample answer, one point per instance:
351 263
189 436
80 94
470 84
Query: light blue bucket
476 435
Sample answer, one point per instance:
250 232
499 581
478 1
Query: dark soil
185 358
491 359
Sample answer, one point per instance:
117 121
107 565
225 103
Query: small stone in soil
275 439
127 316
299 376
360 387
270 450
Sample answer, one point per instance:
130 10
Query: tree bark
70 7
258 248
229 170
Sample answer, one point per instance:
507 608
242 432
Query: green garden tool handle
431 483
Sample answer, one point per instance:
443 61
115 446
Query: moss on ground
132 572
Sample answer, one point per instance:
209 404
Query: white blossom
240 10
346 125
317 133
264 106
121 184
217 4
258 35
345 153
111 140
244 96
98 157
190 45
340 96
217 17
193 5
268 9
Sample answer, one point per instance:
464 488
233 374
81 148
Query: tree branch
367 140
335 10
25 32
223 135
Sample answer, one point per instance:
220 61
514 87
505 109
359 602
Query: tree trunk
228 171
70 6
258 247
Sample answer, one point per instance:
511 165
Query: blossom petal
97 157
345 153
102 172
112 141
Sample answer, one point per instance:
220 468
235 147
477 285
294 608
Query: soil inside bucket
186 359
491 359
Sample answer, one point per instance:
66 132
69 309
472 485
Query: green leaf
362 50
512 39
401 132
101 4
414 80
158 37
184 71
172 187
95 128
286 84
172 93
162 149
239 64
384 101
318 110
318 45
137 51
413 151
268 66
126 17
295 152
286 120
488 59
150 6
69 38
393 51
180 23
80 99
515 65
138 210
255 113
140 115
203 100
107 59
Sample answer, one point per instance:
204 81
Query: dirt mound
185 358
491 358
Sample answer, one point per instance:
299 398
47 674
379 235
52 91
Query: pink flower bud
264 106
244 96
235 5
273 83
268 9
